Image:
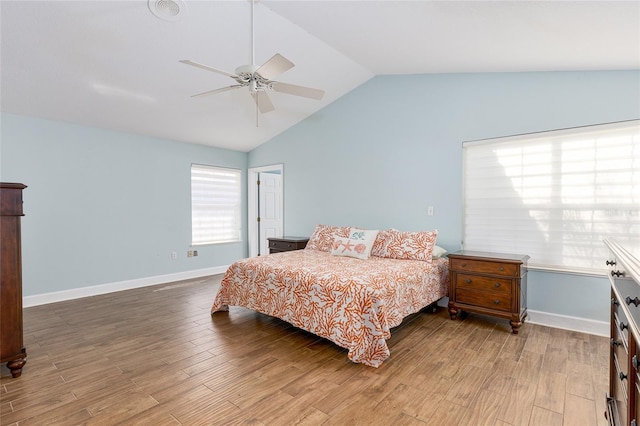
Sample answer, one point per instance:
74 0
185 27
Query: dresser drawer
619 392
621 328
637 398
486 267
498 301
621 352
479 282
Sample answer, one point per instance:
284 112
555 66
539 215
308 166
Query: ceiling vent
168 10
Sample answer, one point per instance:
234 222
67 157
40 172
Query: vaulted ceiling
114 64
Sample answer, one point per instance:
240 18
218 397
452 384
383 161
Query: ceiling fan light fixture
167 10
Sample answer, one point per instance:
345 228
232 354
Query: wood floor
155 356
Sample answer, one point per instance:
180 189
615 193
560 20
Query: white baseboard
77 293
548 319
582 325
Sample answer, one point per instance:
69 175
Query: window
555 195
215 205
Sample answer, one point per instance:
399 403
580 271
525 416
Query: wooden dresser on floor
623 400
12 350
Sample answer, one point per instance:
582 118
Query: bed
353 302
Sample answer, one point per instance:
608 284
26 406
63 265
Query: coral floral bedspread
352 302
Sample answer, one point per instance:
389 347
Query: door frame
252 203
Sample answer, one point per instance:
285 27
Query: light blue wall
379 156
104 206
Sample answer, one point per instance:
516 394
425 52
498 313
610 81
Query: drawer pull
623 326
464 265
496 302
634 362
468 281
502 268
635 301
496 285
289 245
617 274
622 376
615 342
610 262
614 302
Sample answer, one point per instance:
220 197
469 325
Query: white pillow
358 244
438 252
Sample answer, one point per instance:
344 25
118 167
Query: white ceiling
114 65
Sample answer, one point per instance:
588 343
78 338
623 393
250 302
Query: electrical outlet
174 255
195 252
430 211
190 253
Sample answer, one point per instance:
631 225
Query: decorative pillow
394 244
438 252
380 245
322 237
358 244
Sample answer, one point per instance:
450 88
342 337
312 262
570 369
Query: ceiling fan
259 79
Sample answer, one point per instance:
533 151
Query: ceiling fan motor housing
246 75
246 69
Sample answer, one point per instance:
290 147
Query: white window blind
215 205
555 195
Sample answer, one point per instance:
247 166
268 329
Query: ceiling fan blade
263 101
274 67
206 67
213 92
292 89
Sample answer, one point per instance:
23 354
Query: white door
269 208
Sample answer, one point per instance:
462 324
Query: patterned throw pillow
358 244
322 237
394 244
380 245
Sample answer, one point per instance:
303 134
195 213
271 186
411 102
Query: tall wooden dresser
12 350
623 400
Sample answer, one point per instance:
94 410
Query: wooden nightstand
280 244
489 283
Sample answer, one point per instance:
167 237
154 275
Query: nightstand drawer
479 282
483 266
484 299
282 245
277 245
